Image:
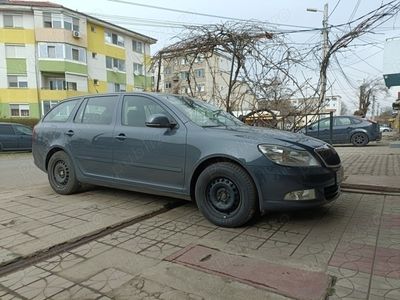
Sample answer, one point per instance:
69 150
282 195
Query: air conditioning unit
76 34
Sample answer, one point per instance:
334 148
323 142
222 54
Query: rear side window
23 130
97 110
61 112
6 129
342 121
356 120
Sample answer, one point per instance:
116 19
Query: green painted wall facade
143 82
16 65
62 67
116 77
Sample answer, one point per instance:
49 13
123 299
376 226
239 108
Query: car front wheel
359 139
61 174
226 194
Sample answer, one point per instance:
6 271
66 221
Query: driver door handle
69 133
121 136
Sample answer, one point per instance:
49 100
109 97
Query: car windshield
202 113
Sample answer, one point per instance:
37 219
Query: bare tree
368 90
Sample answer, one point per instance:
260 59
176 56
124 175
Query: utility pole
325 48
373 107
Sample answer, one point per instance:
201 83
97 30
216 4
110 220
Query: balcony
47 94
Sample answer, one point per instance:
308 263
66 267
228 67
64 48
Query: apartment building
332 104
49 52
204 76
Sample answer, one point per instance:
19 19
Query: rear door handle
121 136
69 133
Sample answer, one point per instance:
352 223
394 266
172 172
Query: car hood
261 135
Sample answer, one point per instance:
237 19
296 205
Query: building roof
44 4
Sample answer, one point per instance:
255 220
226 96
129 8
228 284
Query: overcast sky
359 62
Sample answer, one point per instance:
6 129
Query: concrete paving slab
287 281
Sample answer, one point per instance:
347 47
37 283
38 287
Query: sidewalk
349 249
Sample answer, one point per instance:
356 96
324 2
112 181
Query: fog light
301 195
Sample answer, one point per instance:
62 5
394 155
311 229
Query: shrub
25 121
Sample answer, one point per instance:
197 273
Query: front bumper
274 183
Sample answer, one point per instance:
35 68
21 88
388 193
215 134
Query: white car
384 128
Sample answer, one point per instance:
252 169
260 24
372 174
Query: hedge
25 121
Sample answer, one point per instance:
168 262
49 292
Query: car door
24 136
145 156
90 136
342 127
8 138
320 129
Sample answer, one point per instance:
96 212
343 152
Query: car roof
11 123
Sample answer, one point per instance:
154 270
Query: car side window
61 112
136 109
99 110
6 130
342 121
23 130
325 123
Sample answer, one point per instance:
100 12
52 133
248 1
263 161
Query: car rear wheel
61 174
226 195
359 139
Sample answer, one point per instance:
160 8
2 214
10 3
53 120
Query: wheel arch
51 153
216 159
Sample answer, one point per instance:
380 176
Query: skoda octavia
185 148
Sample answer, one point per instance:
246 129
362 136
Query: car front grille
328 155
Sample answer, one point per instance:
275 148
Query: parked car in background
385 128
185 148
345 130
15 136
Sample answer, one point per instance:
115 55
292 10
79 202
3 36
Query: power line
333 10
207 15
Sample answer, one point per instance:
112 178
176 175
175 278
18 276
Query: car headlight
288 156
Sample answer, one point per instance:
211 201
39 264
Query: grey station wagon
185 148
345 130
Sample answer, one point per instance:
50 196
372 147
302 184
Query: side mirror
159 121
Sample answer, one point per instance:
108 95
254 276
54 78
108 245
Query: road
17 170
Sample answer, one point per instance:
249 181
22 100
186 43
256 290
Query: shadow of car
345 130
15 136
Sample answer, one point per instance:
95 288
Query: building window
51 51
92 28
57 84
183 61
184 75
113 38
200 88
19 110
47 105
17 81
115 64
12 21
15 51
94 54
95 81
137 46
75 54
72 86
168 85
167 71
199 72
62 51
199 58
137 69
60 21
116 87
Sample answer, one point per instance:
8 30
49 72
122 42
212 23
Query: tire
226 195
61 174
359 139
